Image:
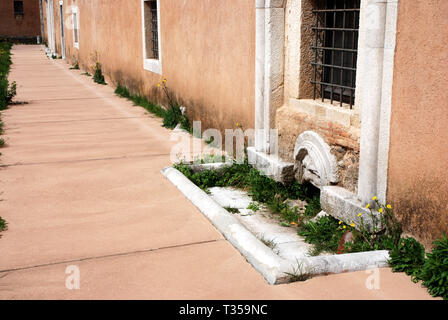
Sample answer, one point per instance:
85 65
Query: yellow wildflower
359 214
344 227
389 206
158 84
380 210
352 225
368 206
340 222
374 198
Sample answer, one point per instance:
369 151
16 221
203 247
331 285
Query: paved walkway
81 185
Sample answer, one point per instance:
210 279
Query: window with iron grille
75 28
18 8
151 30
335 48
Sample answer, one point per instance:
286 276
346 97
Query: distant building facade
20 20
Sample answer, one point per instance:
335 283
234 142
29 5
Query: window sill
153 65
326 111
76 45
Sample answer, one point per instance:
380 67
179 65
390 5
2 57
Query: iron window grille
18 9
154 29
336 32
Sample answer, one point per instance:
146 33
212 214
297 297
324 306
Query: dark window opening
336 50
151 30
75 28
18 9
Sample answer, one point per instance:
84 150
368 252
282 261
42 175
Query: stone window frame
152 65
375 67
75 19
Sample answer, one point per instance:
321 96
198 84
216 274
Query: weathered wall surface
208 53
418 158
28 26
343 140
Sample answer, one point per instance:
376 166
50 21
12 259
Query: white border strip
271 266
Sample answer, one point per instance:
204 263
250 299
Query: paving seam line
109 256
82 160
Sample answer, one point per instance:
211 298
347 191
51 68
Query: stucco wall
29 26
208 53
418 162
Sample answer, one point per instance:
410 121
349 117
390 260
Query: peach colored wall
208 53
418 162
29 26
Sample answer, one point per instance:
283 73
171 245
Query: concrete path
81 185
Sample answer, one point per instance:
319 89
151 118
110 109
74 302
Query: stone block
272 166
345 206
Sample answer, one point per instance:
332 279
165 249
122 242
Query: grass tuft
171 117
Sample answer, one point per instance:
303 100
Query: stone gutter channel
275 266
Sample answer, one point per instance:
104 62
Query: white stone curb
261 257
273 268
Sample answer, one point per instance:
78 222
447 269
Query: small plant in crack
254 206
298 273
174 114
98 77
232 210
270 243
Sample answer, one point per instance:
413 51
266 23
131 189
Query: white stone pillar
371 33
269 55
386 98
259 76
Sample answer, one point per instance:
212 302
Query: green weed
171 117
254 206
409 257
435 270
7 90
98 76
298 273
3 224
270 243
232 210
324 234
